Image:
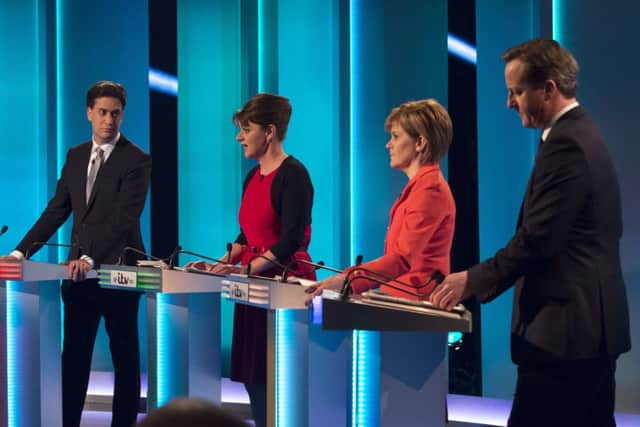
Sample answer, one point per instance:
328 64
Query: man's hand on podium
9 258
78 269
451 291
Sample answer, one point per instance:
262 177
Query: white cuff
89 260
17 254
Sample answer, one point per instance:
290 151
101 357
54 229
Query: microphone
319 265
3 230
35 246
345 289
272 261
385 280
229 247
172 258
199 255
137 251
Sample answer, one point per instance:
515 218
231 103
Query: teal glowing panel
165 352
311 79
24 170
558 18
13 368
505 149
209 158
285 368
365 374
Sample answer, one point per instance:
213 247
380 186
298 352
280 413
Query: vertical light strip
364 372
365 384
162 350
556 19
261 71
59 107
13 323
285 343
353 119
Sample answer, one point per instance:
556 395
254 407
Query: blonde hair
426 118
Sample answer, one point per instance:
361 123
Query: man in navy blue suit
570 317
104 184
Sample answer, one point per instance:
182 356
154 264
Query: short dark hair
546 60
105 88
266 109
426 118
190 412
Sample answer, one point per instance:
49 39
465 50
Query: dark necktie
93 171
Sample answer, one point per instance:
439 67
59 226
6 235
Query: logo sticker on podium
126 279
239 291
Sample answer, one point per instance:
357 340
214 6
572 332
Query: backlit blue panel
505 149
285 369
210 76
13 380
557 17
461 49
163 82
365 373
164 352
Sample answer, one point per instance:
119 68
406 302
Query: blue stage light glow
163 345
163 82
285 372
454 337
556 19
462 49
13 382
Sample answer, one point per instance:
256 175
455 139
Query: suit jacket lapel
83 168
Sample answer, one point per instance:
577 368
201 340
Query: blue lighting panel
353 72
462 49
163 82
285 368
13 382
365 379
556 18
163 343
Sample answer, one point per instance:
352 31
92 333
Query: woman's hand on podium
333 283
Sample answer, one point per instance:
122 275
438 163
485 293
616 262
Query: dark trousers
84 304
568 394
258 397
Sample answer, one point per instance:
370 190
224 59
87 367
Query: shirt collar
555 118
107 147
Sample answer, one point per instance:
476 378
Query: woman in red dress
275 228
420 233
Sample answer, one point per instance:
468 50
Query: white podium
183 329
30 371
398 368
287 343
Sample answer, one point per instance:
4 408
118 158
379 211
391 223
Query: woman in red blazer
420 233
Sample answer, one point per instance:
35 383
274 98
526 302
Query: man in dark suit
570 314
104 183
